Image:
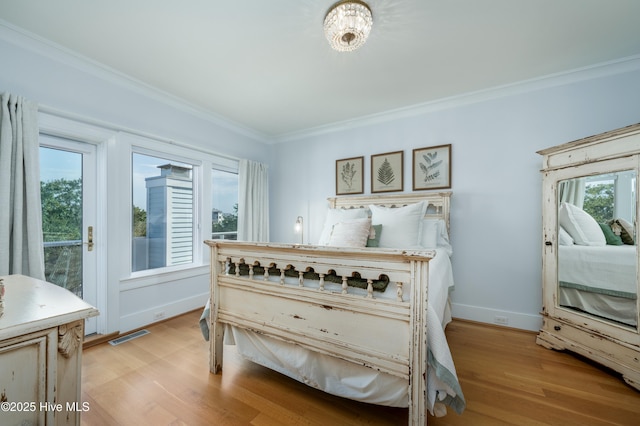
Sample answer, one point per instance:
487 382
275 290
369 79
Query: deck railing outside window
63 264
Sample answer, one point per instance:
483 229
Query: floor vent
128 337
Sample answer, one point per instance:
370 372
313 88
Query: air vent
128 337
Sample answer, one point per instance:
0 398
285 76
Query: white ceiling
266 65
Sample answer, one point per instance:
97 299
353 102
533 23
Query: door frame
81 131
88 153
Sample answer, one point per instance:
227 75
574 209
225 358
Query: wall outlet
158 315
501 320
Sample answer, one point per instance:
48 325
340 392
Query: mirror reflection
597 258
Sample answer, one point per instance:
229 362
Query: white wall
496 184
115 113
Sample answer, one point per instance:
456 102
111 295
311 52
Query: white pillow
581 226
435 235
338 215
352 233
430 230
401 225
564 239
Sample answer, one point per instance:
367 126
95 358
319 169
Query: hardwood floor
163 379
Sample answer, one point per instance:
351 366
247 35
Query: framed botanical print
387 173
432 167
350 176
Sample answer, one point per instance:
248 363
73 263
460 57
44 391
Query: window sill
153 277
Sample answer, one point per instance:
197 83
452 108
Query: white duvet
600 280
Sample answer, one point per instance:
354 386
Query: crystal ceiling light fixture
347 25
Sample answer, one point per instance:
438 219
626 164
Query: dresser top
31 305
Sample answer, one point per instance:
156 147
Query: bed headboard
438 203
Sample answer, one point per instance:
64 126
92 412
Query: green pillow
612 239
374 236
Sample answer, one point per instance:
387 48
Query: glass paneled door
68 193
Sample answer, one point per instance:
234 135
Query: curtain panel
253 201
21 247
572 191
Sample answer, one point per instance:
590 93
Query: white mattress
600 280
345 379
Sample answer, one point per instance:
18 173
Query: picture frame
432 167
350 176
387 172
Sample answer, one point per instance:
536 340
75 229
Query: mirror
597 257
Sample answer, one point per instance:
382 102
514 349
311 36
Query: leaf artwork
385 173
347 174
430 169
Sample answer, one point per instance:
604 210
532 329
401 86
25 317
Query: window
224 198
61 198
610 196
163 212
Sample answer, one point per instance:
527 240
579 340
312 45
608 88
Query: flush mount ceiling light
347 25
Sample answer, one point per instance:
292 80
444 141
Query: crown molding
623 65
43 47
46 48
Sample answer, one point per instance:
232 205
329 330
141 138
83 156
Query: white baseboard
467 312
162 312
497 317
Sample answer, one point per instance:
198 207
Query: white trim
56 52
162 276
84 133
488 316
42 46
628 64
106 126
148 316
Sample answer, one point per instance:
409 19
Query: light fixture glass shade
299 228
347 25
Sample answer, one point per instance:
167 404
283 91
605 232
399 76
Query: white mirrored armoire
589 249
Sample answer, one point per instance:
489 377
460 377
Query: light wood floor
163 379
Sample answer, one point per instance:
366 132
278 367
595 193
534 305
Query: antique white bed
362 323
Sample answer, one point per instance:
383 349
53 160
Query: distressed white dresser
41 334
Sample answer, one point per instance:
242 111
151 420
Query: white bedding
346 379
600 280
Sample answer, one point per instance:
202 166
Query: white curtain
21 248
572 191
253 201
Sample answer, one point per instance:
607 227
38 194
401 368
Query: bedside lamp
299 228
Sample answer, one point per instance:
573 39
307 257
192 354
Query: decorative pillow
611 238
338 215
374 236
352 233
401 225
564 239
624 229
581 226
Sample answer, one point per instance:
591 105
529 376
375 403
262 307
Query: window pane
61 197
599 200
224 216
162 212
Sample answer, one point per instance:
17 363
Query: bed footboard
389 335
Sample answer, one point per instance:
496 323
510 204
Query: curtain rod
118 128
